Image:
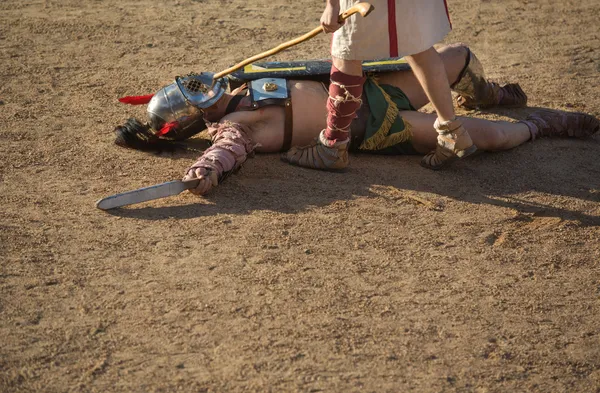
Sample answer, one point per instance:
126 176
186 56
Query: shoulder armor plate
269 91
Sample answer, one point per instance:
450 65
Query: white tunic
395 28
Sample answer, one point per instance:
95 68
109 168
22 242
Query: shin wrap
343 102
231 146
557 123
475 91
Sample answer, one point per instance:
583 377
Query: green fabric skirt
386 132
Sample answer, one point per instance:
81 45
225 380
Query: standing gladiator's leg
453 140
344 100
330 149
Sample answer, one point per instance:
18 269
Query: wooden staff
362 8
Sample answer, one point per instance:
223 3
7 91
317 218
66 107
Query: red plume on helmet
136 100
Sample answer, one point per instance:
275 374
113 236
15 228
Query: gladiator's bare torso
267 124
309 111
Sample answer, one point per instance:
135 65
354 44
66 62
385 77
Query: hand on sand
208 179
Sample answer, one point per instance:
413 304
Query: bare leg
428 67
454 58
487 135
453 140
503 135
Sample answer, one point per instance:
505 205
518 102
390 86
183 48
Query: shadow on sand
559 168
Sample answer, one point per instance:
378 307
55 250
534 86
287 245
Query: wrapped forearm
231 146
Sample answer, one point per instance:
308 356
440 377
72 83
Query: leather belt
288 127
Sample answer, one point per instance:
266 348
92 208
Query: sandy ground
387 278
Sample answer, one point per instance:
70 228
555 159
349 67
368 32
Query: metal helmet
175 111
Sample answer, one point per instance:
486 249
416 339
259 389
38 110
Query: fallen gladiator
292 112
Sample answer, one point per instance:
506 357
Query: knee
455 57
423 57
455 50
350 67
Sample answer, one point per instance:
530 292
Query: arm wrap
231 146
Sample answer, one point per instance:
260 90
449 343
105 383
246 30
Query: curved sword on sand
144 194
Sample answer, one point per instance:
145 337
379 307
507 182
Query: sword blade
157 191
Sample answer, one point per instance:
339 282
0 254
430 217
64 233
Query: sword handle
190 183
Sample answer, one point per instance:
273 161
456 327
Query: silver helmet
175 111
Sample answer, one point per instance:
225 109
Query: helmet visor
199 90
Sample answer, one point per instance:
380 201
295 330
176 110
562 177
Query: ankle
534 131
334 138
447 126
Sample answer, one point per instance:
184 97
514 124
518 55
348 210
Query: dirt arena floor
388 278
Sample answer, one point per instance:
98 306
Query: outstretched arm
231 146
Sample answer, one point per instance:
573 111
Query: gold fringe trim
399 137
381 139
